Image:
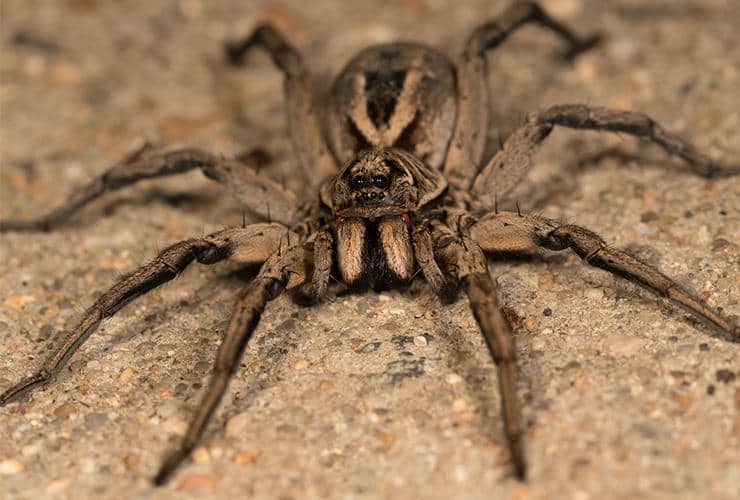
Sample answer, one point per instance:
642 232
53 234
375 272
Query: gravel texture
369 395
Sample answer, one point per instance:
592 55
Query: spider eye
357 182
381 181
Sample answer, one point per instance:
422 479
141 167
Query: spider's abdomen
394 95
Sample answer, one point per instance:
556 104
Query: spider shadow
620 288
165 315
185 202
562 185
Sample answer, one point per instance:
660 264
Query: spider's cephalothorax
415 194
373 200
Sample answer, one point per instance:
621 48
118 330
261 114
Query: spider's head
381 182
370 180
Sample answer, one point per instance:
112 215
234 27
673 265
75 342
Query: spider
401 187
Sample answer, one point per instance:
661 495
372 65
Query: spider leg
259 194
322 262
424 252
252 244
308 142
469 139
273 278
504 170
511 232
466 258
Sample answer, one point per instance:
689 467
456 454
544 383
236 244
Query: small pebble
461 413
545 282
93 365
18 301
326 386
45 332
246 457
201 455
683 401
88 466
31 449
725 375
459 405
11 466
453 378
126 375
420 341
386 438
131 461
300 364
65 410
618 344
194 480
531 324
58 485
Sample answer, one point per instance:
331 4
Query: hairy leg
252 244
469 138
274 276
465 258
512 232
500 340
424 252
310 147
259 194
506 168
322 262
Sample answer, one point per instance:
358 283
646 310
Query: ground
370 395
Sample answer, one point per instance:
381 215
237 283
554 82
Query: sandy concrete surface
387 395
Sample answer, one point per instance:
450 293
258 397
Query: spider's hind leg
469 139
308 142
464 259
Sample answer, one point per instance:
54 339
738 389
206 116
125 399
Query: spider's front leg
463 259
442 285
252 244
515 233
284 269
260 195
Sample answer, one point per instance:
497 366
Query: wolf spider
401 186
